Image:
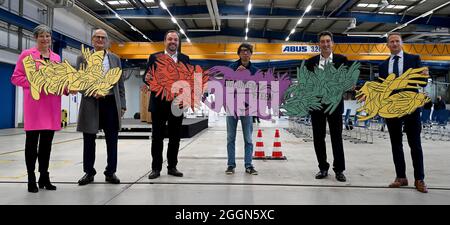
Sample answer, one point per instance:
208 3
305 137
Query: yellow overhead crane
280 51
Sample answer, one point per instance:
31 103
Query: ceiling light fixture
300 20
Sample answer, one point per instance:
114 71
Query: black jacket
338 60
253 69
152 64
409 61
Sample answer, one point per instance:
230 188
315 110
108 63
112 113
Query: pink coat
42 114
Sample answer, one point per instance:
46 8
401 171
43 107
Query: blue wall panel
7 96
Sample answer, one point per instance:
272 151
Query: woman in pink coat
41 117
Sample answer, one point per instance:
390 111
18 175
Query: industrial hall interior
224 102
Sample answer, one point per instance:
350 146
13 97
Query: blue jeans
247 127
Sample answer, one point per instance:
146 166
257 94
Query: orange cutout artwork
166 72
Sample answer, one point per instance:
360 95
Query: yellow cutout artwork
56 78
378 99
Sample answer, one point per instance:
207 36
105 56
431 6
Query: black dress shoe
32 187
86 179
44 182
113 179
154 174
174 172
321 174
340 177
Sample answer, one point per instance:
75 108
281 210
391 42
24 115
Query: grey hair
95 31
41 29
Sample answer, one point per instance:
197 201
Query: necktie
395 69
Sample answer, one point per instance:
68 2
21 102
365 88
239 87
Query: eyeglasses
100 37
244 50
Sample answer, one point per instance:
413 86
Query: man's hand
426 71
97 96
122 112
362 98
240 68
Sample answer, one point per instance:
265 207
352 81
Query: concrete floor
202 159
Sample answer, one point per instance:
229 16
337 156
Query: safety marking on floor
56 143
14 177
3 161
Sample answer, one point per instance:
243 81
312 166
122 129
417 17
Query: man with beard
160 107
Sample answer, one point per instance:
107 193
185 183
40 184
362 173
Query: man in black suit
319 118
398 63
161 108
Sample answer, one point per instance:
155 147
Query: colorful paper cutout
258 93
322 87
168 75
56 78
379 100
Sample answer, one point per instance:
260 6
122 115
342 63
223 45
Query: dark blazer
88 115
253 69
338 60
152 63
409 61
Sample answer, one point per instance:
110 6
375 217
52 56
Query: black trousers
412 128
162 114
44 138
109 123
319 121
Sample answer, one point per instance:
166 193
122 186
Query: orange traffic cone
259 147
276 152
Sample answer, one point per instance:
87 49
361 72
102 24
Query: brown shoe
398 182
421 186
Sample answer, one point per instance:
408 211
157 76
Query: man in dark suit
319 118
398 63
161 109
101 112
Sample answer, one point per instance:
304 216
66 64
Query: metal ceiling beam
270 34
227 10
211 13
272 3
231 17
347 4
298 4
376 27
148 11
305 29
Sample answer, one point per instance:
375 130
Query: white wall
66 22
132 95
34 10
11 58
71 103
8 57
14 5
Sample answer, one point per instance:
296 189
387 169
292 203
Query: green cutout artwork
318 89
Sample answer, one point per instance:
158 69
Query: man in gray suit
101 112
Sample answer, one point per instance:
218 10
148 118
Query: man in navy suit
319 118
398 63
161 110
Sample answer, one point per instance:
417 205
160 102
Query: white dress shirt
106 65
324 60
400 64
174 56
